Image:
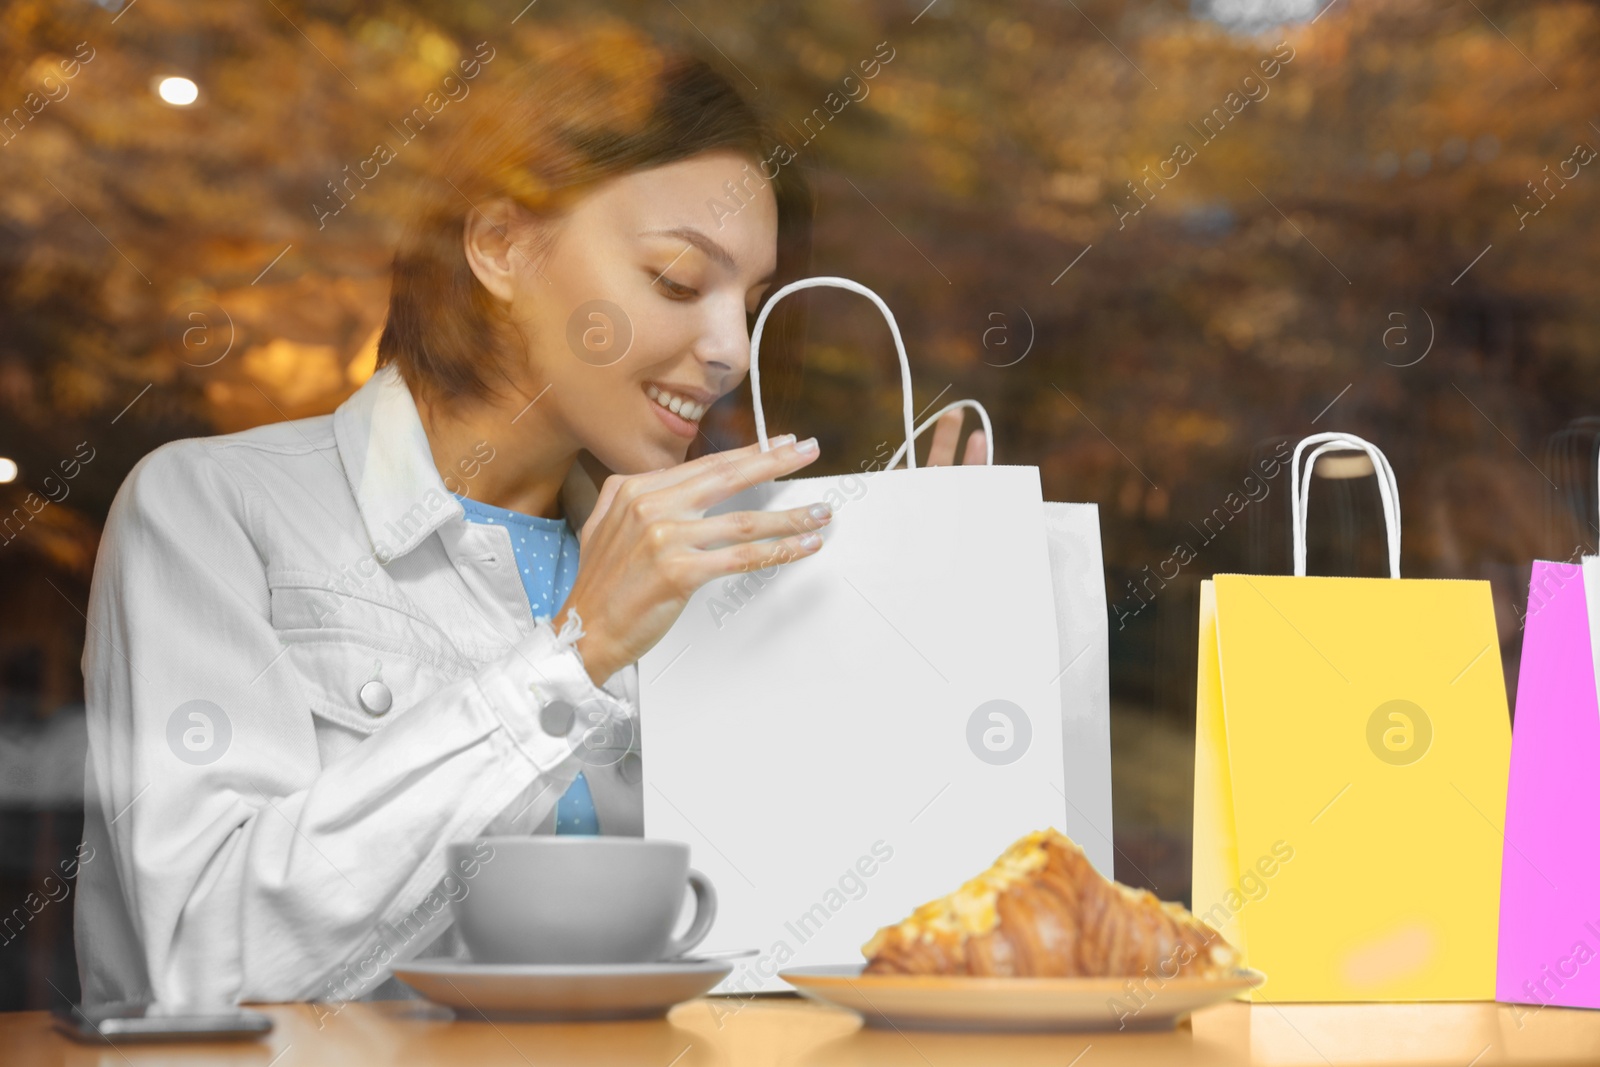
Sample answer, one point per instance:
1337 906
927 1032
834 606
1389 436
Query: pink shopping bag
1550 873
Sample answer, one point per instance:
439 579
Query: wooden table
721 1032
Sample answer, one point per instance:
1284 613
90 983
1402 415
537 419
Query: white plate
937 1002
561 992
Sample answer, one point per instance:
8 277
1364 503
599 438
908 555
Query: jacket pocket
299 604
361 679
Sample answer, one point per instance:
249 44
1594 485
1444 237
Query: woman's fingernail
782 439
810 540
821 512
808 445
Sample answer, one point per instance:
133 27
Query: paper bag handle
894 330
983 416
1300 492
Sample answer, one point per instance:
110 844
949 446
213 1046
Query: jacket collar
397 489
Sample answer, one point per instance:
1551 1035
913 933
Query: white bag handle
894 329
983 416
1300 492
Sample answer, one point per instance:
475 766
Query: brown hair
587 110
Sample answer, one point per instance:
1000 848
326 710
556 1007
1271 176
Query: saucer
561 992
937 1002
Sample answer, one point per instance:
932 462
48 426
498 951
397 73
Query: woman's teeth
678 405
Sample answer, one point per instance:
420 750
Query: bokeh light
177 91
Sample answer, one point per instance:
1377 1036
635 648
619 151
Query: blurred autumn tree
985 184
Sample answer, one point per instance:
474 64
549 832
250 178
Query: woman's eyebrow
700 241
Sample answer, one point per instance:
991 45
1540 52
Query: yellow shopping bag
1352 747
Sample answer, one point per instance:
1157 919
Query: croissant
1043 911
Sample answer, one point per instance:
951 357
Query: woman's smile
677 408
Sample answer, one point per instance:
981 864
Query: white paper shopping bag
849 735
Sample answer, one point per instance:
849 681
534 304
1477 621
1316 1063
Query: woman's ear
497 246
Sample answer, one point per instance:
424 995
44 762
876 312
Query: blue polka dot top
546 552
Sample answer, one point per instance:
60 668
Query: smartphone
111 1023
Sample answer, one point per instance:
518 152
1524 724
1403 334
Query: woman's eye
673 289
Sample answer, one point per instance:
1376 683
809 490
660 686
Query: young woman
320 651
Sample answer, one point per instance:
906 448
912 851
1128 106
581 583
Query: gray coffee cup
557 899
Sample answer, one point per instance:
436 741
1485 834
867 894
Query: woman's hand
648 546
942 452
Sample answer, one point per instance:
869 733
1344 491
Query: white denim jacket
307 674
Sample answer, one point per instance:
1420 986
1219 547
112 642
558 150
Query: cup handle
705 912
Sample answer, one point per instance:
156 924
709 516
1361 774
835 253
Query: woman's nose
724 346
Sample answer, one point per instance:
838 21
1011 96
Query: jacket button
557 718
631 769
376 698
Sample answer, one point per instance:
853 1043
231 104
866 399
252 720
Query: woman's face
640 305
